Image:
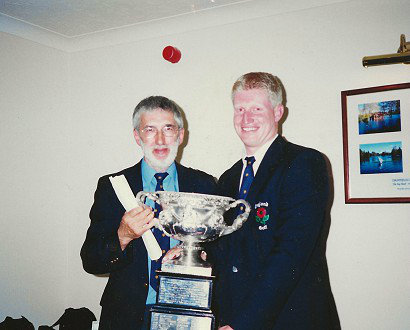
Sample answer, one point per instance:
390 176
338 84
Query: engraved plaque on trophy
185 284
180 319
177 290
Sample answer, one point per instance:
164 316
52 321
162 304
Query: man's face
159 150
255 119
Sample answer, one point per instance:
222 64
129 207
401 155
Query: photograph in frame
376 142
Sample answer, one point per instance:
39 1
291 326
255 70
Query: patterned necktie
247 178
162 239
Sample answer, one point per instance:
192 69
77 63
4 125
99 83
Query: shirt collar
148 172
259 154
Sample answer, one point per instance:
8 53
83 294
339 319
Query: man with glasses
113 244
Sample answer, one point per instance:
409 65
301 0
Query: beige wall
66 121
34 181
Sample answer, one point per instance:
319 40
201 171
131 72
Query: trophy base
183 303
177 268
171 318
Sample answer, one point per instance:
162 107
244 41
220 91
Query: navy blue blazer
127 287
272 273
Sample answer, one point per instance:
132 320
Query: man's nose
159 138
247 117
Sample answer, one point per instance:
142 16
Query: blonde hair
260 80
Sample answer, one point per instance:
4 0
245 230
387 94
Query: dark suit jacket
126 291
272 273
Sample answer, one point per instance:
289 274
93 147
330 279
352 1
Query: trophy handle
142 194
240 219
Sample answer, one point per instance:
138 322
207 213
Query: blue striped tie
247 178
162 239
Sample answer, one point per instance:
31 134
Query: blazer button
234 269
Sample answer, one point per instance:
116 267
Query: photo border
346 133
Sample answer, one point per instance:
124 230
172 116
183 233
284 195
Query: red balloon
171 54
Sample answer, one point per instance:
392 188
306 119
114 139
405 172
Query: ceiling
72 18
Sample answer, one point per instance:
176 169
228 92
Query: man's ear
181 134
278 112
137 137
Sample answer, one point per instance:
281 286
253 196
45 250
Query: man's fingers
144 216
138 212
149 223
203 255
138 220
133 212
172 254
145 221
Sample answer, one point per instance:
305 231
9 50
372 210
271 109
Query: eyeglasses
168 131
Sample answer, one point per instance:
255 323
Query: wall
316 52
35 162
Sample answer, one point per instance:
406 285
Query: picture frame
376 144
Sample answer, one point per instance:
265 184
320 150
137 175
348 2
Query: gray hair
260 80
152 103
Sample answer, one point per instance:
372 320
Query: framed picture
376 144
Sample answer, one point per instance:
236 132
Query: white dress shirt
259 154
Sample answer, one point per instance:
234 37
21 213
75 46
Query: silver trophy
194 219
185 284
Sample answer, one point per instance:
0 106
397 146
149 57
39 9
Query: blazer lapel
134 178
234 179
183 183
269 162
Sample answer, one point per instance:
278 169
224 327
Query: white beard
160 165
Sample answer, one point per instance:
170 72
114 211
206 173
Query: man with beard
113 244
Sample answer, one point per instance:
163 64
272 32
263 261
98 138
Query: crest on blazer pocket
261 215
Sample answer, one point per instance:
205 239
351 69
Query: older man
272 273
113 244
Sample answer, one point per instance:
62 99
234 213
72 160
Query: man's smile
161 152
249 129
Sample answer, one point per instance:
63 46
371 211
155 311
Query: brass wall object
402 56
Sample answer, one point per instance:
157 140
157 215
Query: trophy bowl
193 219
